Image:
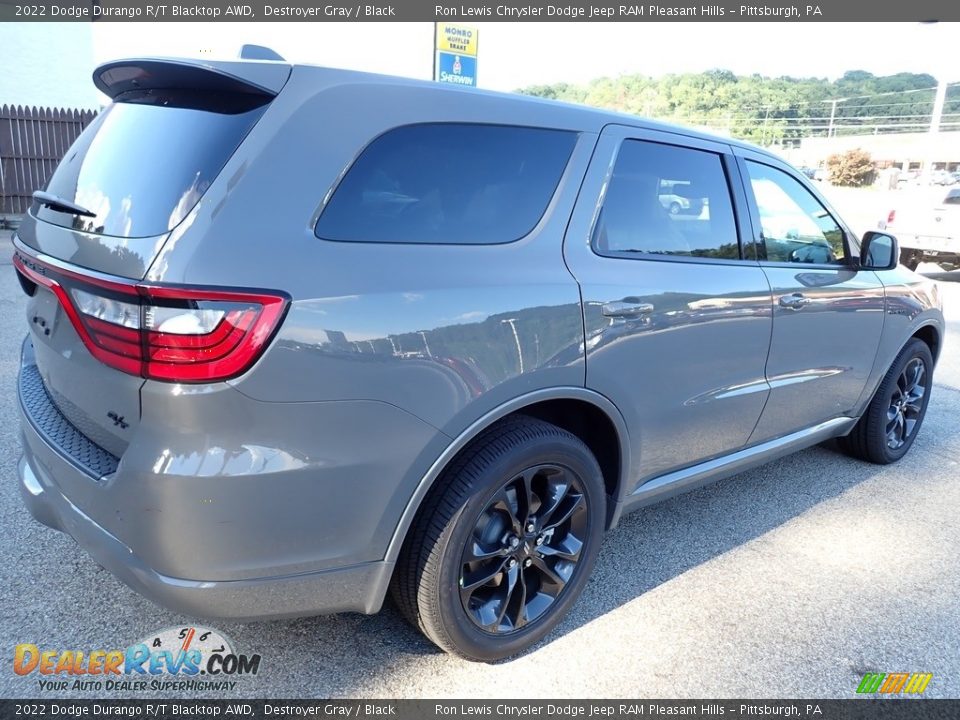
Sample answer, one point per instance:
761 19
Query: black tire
675 208
431 582
871 437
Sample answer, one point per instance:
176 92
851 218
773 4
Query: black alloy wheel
504 543
906 404
888 427
524 548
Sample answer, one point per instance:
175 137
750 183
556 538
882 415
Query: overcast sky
514 55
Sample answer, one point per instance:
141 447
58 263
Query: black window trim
728 165
544 216
851 261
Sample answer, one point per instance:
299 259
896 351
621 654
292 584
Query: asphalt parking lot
791 580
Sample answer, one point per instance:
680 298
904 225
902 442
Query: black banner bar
852 709
514 10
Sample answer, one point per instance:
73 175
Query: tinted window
952 198
144 162
448 183
667 200
795 226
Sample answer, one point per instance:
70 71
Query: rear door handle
795 301
626 308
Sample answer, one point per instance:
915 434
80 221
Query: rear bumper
360 588
929 244
296 521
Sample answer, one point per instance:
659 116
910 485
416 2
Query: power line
827 101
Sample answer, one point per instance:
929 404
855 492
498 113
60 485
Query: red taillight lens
178 334
891 217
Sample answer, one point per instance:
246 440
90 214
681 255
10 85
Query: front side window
796 228
448 183
665 200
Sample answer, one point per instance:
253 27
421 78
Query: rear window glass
145 161
448 183
666 200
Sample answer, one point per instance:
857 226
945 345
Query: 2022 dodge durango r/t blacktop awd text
301 337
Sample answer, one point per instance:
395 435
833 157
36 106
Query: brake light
163 332
891 217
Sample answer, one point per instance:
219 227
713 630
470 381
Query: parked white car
928 234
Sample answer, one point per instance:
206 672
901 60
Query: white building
907 151
47 65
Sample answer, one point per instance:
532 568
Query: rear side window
448 183
147 159
665 200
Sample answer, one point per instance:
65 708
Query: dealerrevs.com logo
175 659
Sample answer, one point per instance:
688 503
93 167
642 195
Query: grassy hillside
767 110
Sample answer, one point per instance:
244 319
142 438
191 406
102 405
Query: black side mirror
879 251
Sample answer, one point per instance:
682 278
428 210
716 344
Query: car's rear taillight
163 332
891 217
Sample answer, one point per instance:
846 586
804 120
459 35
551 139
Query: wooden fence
32 142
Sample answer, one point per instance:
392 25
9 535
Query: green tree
764 109
853 168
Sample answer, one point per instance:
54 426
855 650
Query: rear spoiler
244 77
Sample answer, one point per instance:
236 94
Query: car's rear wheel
504 544
890 425
675 208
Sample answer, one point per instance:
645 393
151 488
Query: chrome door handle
626 308
794 302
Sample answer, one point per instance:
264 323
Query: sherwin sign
455 54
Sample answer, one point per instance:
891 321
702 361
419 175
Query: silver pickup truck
928 234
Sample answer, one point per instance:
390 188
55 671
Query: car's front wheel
890 425
504 544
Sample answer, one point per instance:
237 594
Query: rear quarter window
448 183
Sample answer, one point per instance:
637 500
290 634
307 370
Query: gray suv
299 337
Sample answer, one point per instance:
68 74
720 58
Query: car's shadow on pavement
348 655
649 547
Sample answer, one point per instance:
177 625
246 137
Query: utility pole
833 114
425 344
433 59
512 322
937 115
936 118
938 102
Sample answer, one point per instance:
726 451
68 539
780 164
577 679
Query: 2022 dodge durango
301 337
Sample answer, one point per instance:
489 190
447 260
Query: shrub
853 168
